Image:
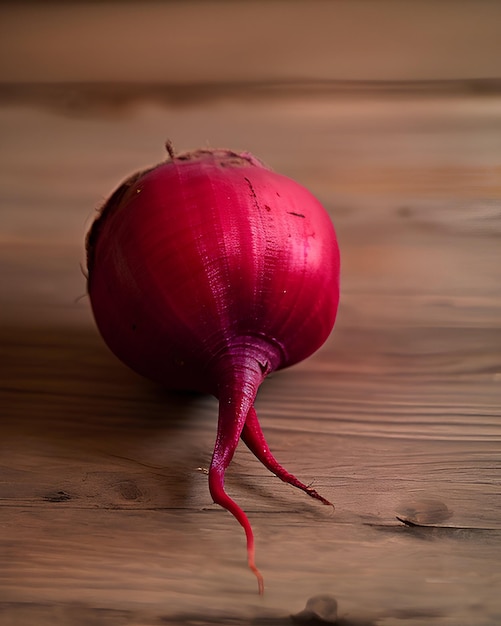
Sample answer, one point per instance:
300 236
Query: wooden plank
102 489
105 514
244 41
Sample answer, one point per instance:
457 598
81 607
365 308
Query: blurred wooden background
390 112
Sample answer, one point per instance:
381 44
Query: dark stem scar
263 366
296 214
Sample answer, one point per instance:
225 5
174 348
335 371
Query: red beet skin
208 272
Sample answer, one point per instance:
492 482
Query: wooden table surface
105 513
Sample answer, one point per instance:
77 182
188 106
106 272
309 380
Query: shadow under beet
64 395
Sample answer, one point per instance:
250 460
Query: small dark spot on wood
267 208
405 211
129 490
319 610
57 496
424 511
408 522
296 214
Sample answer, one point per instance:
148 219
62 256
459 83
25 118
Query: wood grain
105 514
106 511
206 41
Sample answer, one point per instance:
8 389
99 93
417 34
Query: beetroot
207 272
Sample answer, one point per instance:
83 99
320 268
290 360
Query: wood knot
57 496
129 490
